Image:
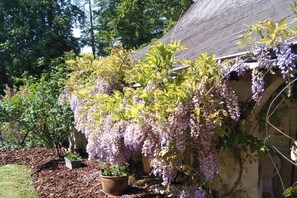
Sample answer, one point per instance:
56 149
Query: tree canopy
32 32
134 23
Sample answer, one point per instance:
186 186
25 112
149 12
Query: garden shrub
31 115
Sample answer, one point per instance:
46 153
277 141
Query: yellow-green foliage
87 72
169 91
155 69
157 64
267 32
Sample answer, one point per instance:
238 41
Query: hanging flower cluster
284 61
262 56
193 191
270 50
257 84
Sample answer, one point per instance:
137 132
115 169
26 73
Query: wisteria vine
165 116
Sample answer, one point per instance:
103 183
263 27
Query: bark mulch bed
52 178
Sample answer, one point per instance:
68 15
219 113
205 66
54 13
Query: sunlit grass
15 182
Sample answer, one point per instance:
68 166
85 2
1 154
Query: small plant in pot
114 178
72 158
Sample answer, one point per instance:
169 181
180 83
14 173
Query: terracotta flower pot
72 163
114 185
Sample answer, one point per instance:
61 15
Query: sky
77 33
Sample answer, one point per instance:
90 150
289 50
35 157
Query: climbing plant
125 110
127 107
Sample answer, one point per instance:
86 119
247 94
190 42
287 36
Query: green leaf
164 152
282 24
287 192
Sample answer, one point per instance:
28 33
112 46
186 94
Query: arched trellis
271 93
271 98
268 123
252 123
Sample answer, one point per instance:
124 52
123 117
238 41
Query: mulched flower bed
52 178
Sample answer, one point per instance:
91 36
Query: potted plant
114 178
72 158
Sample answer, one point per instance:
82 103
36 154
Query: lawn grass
15 182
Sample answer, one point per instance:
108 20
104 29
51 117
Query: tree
134 23
32 32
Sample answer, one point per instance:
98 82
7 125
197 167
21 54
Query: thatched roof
214 26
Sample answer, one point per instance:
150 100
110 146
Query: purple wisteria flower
134 136
149 147
263 57
285 60
257 84
240 66
208 165
193 191
231 100
168 173
226 72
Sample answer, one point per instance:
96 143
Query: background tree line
32 32
34 38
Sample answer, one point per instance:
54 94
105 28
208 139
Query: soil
52 178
